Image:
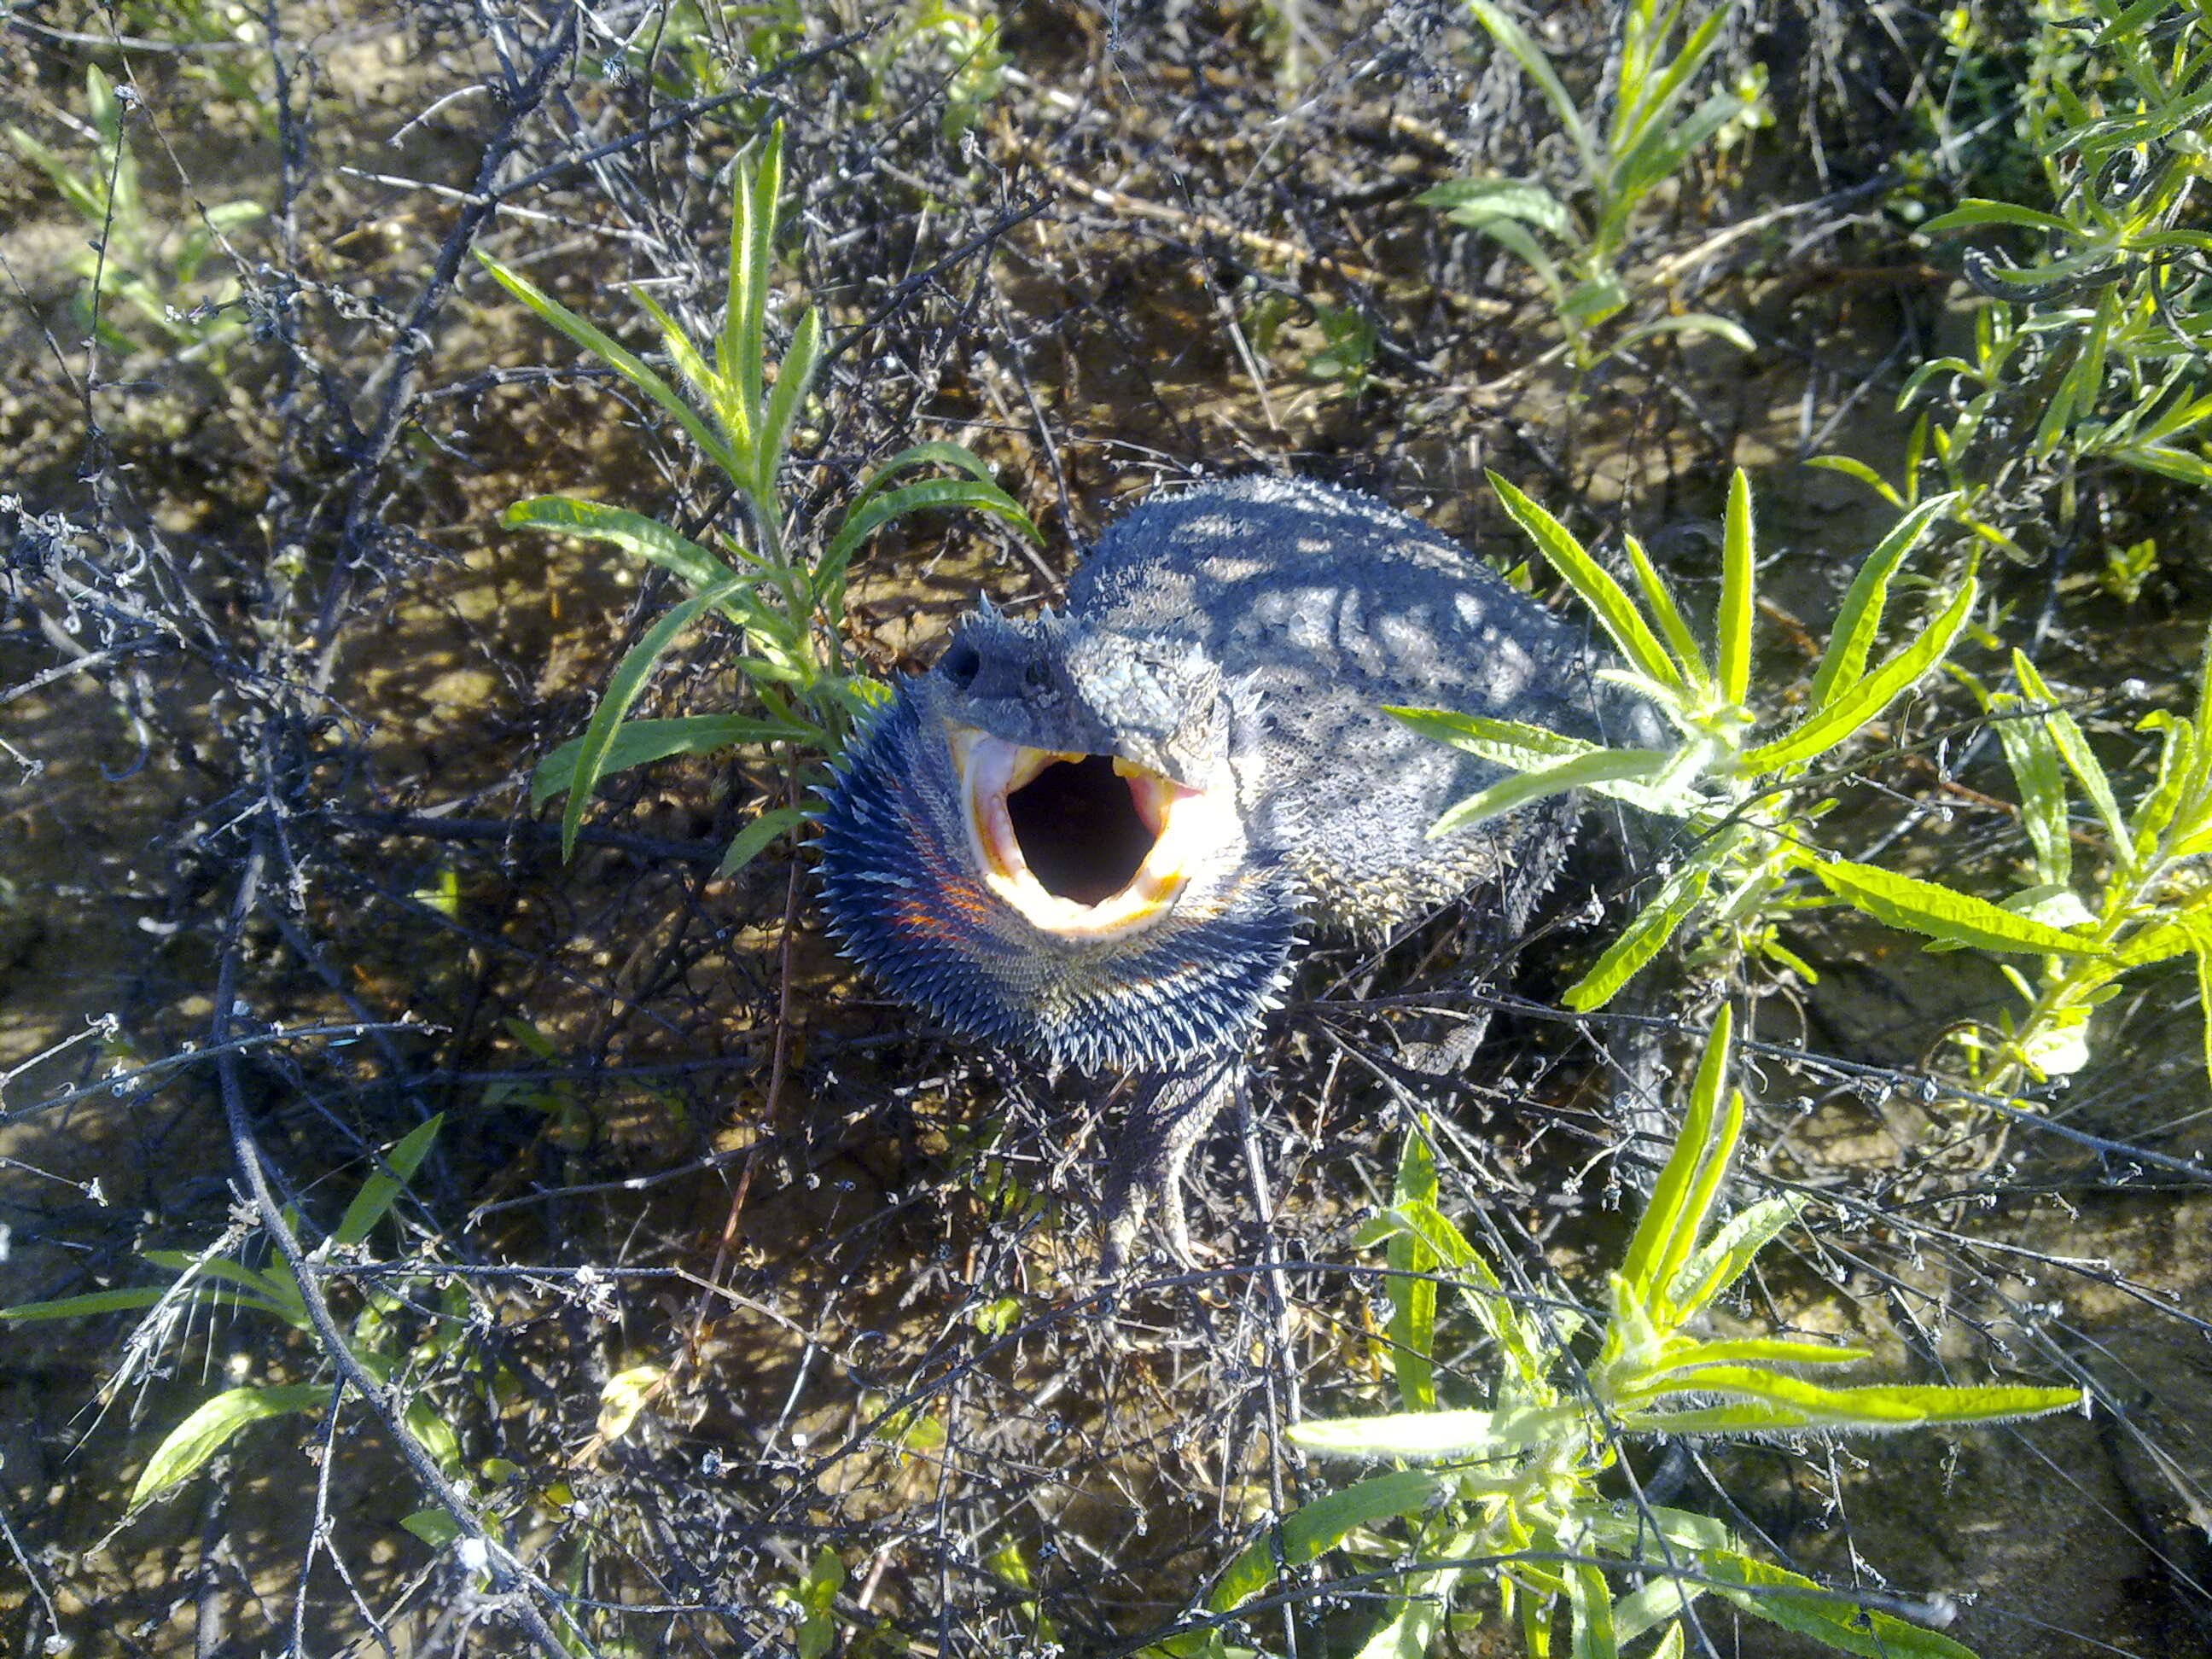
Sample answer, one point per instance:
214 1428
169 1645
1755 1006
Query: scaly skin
1230 649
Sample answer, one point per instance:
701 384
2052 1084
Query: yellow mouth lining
1182 823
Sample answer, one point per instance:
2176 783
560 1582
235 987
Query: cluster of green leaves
385 1338
1516 1492
1749 857
2150 903
789 607
141 285
1577 244
2090 353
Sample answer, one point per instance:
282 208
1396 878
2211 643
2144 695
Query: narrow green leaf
1859 470
378 1193
1310 1531
1854 706
1658 155
629 681
1477 1282
1859 621
1878 1405
1537 67
1946 913
1767 1592
213 1426
1615 611
1470 200
1552 778
641 742
1412 1260
2088 771
645 538
1979 211
1590 1603
625 362
1691 323
1507 742
79 1307
878 510
704 384
1721 1259
936 453
750 842
1732 623
2032 754
1667 1230
1659 600
792 378
1643 938
2201 943
1516 239
1761 1350
1458 1436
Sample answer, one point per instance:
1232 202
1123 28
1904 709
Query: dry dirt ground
720 1261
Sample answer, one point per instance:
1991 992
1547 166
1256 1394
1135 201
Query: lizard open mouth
1084 847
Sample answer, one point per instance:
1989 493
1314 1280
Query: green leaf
1945 914
1660 599
2079 760
213 1426
1615 611
1507 742
1591 1604
625 362
750 842
1862 471
1558 777
1798 1603
1412 1260
1514 236
1759 1350
1460 1437
1692 323
1794 1403
1732 623
792 378
1674 1218
645 538
1859 621
378 1192
2032 754
1854 706
1642 939
1722 1260
1979 211
1311 1530
642 742
876 511
629 678
435 1528
1537 67
1470 201
1477 1282
91 1303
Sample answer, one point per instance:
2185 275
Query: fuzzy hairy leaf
1945 914
1615 611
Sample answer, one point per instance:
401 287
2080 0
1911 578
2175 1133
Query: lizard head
1039 840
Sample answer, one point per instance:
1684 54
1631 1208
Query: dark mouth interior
1078 828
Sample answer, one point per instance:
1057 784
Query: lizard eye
1037 677
960 664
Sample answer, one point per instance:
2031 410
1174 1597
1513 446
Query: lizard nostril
960 664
